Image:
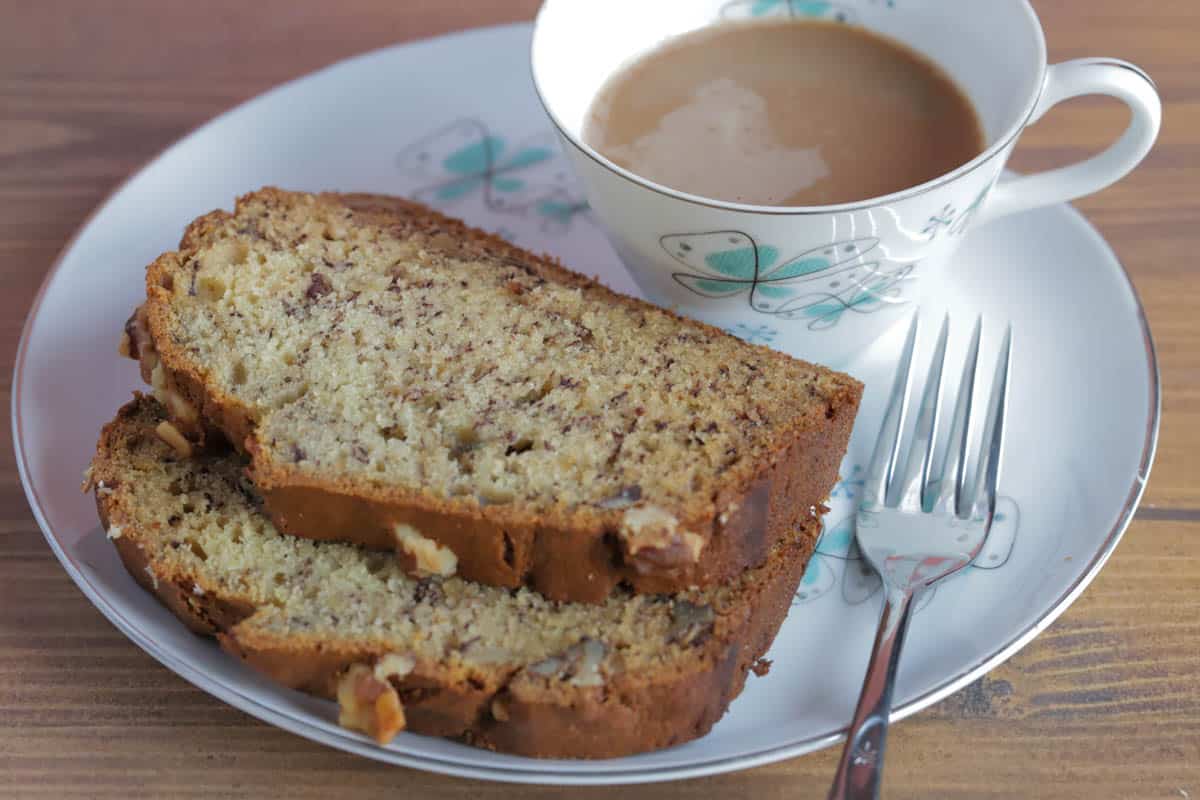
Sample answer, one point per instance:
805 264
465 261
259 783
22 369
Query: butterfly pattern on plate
819 285
559 210
838 562
464 158
837 552
754 334
809 9
837 549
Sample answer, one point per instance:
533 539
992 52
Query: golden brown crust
653 716
576 723
565 556
505 710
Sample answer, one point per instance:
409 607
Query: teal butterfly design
809 9
818 285
871 296
758 334
558 211
464 157
837 551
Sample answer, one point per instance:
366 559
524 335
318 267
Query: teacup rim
1002 142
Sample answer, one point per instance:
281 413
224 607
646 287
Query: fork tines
940 483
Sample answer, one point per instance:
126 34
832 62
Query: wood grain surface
1105 704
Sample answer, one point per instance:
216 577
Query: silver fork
918 530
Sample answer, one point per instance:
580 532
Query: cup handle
1107 76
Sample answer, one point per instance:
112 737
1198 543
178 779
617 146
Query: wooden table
1105 704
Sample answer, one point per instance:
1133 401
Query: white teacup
833 278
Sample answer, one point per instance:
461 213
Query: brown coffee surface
784 112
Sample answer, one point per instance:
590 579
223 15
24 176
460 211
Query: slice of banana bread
402 381
499 668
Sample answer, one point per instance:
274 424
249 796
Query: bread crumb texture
198 525
373 354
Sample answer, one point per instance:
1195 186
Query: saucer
470 138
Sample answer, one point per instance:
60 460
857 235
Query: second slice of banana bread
504 669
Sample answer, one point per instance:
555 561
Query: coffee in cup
784 112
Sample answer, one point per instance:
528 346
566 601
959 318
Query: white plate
1080 444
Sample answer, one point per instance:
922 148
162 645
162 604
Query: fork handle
860 770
